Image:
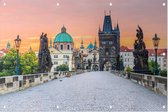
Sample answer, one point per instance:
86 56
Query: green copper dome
90 46
63 36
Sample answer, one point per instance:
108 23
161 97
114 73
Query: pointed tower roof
8 45
90 46
82 47
50 43
99 29
118 25
95 44
107 26
30 49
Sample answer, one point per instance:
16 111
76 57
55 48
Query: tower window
110 42
103 42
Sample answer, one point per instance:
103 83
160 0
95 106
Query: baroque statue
44 57
140 53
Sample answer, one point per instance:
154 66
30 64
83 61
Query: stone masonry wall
155 83
19 82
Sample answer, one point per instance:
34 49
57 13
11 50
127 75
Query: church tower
8 46
82 47
109 44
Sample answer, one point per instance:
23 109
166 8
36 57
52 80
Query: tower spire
82 47
118 26
50 43
99 29
95 43
8 45
30 49
107 26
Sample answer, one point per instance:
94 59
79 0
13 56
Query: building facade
109 45
62 50
127 57
4 51
90 56
161 58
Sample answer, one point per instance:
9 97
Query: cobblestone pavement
93 91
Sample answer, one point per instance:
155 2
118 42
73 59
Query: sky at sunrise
82 18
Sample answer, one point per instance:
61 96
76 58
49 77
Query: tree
1 65
9 63
63 67
128 70
29 63
152 66
163 73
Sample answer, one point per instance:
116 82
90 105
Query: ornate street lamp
17 44
156 43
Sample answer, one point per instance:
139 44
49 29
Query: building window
65 62
68 47
61 47
103 42
55 62
110 42
55 56
55 69
65 56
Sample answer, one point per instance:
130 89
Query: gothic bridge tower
109 44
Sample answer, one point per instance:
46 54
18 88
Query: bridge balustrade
155 83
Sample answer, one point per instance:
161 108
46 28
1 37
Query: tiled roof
125 49
160 52
1 54
4 50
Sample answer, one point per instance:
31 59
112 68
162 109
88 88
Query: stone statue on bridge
44 57
140 53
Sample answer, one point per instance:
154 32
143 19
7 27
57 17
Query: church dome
63 37
90 46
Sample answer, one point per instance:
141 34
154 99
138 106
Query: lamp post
17 45
156 43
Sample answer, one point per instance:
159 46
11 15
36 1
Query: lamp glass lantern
17 43
156 40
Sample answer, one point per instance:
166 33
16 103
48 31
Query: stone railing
18 82
155 83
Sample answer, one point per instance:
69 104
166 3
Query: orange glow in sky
82 18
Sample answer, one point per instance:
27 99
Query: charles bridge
83 90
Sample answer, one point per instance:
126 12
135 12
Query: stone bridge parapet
155 83
19 82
